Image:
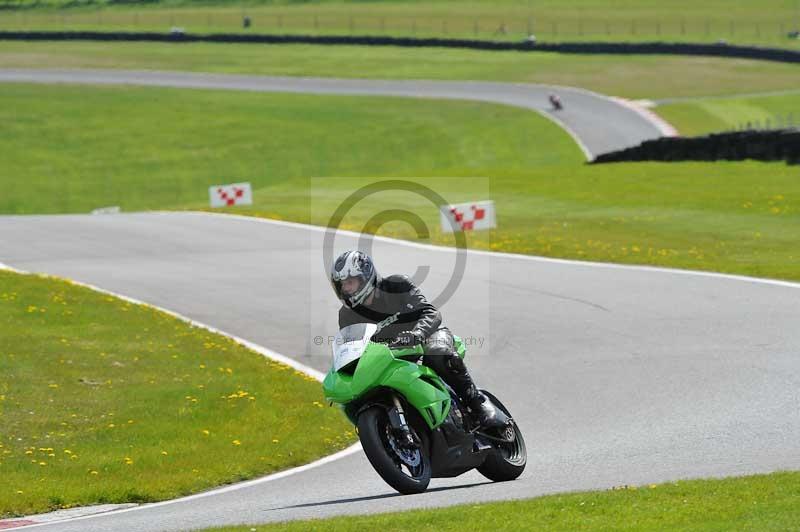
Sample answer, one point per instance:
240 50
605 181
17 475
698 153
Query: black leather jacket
397 305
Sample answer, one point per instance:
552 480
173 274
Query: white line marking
268 353
69 513
557 121
666 129
518 256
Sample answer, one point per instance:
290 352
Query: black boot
483 411
440 356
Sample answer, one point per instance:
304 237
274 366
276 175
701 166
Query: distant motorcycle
555 101
412 426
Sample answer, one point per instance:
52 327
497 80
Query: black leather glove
406 339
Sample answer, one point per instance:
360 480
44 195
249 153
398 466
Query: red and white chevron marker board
468 216
227 195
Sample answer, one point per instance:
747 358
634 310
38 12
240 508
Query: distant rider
405 319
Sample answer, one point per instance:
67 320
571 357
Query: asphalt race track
616 375
598 123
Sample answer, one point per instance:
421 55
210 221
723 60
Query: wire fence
787 121
483 27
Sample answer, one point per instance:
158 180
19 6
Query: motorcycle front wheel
406 470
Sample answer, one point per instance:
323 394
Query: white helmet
354 264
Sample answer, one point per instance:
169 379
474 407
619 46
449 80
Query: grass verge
741 218
701 116
759 502
629 76
103 401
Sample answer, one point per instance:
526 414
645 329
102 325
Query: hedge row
770 145
718 50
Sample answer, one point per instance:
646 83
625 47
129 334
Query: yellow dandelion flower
236 442
206 432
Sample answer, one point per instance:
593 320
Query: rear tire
374 431
507 461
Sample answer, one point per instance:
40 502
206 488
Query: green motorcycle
412 426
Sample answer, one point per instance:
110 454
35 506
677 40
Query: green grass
165 147
700 116
730 217
103 401
628 76
760 502
765 22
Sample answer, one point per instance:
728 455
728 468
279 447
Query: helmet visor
352 285
349 288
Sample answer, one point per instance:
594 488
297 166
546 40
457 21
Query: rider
405 319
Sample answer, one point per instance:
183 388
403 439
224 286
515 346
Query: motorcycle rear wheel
507 461
406 471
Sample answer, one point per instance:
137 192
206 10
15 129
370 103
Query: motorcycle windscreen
351 342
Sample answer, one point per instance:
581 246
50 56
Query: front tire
507 461
406 471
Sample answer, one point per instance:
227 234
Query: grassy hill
766 22
164 147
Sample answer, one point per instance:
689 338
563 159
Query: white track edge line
267 353
502 254
666 129
558 122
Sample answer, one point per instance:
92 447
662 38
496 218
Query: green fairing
459 345
381 367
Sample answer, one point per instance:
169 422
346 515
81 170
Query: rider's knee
456 364
440 354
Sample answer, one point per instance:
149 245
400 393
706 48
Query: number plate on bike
350 343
